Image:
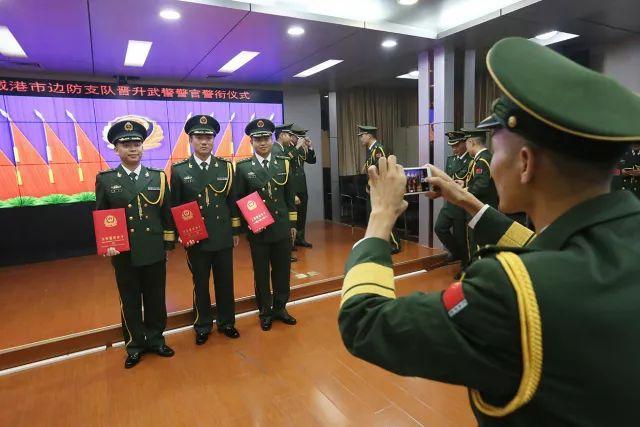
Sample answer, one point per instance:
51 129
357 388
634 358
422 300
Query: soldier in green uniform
451 225
479 181
303 153
140 273
542 328
627 172
375 151
284 146
283 134
208 180
271 248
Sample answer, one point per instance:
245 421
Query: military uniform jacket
213 190
631 159
479 181
147 205
276 189
582 346
373 155
300 156
457 168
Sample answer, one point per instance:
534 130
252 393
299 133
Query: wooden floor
289 376
57 298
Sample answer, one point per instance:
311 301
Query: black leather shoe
201 337
132 360
164 351
265 323
303 243
230 331
395 251
294 259
286 318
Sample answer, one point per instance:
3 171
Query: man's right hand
444 186
187 244
111 252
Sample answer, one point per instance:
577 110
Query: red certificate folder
110 226
189 222
255 212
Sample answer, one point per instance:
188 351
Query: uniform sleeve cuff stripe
368 278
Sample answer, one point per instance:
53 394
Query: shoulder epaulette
492 250
156 170
222 159
243 161
181 162
282 157
107 171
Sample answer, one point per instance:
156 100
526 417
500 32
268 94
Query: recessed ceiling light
547 36
295 31
238 61
9 46
137 52
320 67
326 96
413 75
553 37
169 14
389 43
407 2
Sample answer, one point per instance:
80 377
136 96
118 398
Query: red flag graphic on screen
63 165
181 150
225 147
245 149
8 178
90 161
32 171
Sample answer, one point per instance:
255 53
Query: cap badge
203 120
128 127
260 124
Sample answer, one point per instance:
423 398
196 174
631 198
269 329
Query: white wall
621 61
302 106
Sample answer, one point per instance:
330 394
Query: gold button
263 188
132 230
217 217
216 206
148 229
146 216
145 205
199 195
275 200
276 212
264 200
200 207
129 205
130 218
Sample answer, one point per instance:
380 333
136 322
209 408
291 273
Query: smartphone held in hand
417 180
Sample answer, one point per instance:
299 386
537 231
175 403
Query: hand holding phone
417 180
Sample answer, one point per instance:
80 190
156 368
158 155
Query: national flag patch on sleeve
453 299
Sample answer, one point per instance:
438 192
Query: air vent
217 76
20 65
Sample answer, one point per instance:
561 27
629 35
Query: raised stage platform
57 307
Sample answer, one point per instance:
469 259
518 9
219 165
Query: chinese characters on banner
32 87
